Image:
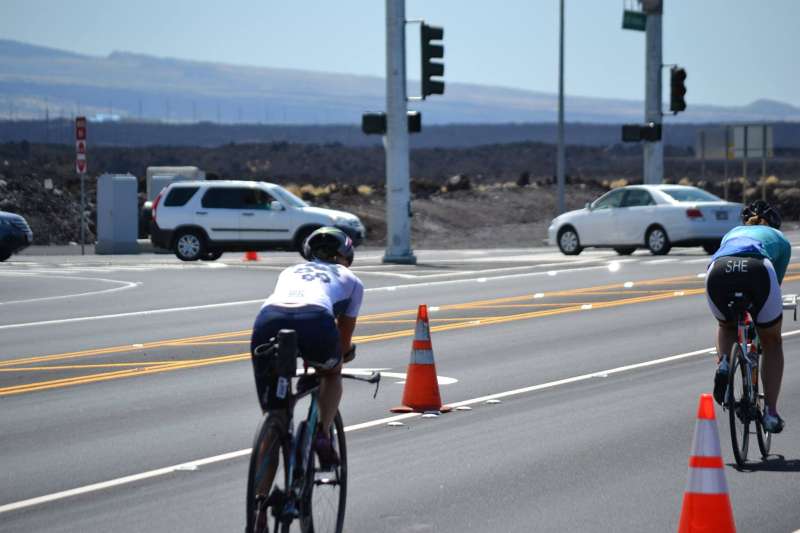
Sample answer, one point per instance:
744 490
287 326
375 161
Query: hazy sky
735 51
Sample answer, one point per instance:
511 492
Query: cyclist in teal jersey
752 258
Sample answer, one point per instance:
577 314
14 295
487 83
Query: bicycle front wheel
268 475
738 404
326 496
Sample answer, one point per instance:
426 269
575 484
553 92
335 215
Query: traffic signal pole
398 194
653 150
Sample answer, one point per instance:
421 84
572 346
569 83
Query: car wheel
711 248
4 254
626 250
212 255
568 241
658 241
190 245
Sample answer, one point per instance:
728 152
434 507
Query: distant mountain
36 81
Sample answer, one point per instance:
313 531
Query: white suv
203 219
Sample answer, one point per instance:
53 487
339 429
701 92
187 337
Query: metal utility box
117 214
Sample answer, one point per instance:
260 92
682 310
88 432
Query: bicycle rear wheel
267 478
738 404
326 496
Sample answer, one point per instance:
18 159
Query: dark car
15 234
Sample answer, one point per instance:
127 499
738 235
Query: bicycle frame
302 442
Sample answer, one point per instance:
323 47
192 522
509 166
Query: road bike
743 399
286 481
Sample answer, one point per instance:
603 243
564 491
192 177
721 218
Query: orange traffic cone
421 392
706 506
251 256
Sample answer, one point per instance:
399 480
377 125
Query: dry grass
365 190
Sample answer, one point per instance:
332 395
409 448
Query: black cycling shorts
754 276
317 337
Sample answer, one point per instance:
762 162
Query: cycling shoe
772 423
323 445
721 381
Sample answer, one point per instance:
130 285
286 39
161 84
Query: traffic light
677 83
641 132
431 69
375 123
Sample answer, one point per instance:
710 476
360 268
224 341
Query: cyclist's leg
721 283
769 318
267 325
319 344
719 286
330 393
726 336
772 366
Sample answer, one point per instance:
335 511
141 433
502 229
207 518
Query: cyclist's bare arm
346 326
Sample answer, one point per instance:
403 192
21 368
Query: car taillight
155 203
694 213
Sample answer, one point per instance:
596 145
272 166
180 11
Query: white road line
133 313
193 465
251 302
455 273
658 261
125 285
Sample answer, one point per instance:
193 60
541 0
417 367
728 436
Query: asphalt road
126 381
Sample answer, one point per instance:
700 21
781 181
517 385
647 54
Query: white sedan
656 217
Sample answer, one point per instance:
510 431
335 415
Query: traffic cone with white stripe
706 505
421 391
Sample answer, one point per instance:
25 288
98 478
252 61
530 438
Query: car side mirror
588 206
275 205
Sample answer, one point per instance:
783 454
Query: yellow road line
364 319
151 368
88 366
485 321
210 343
528 306
114 349
80 380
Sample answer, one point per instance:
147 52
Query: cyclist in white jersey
320 300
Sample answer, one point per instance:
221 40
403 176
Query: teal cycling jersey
757 241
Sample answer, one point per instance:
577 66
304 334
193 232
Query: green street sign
634 20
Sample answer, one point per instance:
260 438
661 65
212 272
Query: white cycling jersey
319 284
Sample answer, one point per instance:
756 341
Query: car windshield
690 194
287 197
